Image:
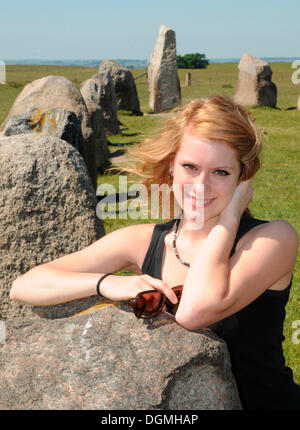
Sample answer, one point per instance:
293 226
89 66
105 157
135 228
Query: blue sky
91 29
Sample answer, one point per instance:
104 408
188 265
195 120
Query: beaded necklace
174 245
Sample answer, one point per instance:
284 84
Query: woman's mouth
197 203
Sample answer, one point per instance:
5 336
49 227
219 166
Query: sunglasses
150 303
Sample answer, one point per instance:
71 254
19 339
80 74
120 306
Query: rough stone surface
55 122
48 209
101 151
125 88
110 360
100 89
56 92
163 81
254 85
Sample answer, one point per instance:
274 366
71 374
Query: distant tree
192 61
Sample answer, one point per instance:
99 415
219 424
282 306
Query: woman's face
212 165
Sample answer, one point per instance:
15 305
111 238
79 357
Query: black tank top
254 335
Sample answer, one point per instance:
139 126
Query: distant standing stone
100 89
163 81
99 136
125 88
254 86
298 105
188 79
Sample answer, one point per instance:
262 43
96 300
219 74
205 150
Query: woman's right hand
126 287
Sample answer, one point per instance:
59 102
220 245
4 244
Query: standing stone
125 88
254 86
188 79
55 122
48 208
100 89
109 360
57 92
298 104
102 153
163 81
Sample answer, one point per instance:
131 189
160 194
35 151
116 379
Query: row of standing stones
53 142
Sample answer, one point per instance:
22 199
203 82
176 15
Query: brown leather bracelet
99 282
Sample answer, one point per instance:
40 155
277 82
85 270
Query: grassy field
276 186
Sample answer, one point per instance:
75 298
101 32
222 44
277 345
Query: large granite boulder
100 90
109 360
48 208
56 92
163 80
254 86
125 88
55 122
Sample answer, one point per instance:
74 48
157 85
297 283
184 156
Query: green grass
276 186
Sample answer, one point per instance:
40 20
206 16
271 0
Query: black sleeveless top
253 335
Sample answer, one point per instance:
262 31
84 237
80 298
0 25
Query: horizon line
126 58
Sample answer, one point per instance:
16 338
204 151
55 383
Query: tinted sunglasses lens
171 307
149 304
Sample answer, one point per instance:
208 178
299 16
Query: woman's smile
198 202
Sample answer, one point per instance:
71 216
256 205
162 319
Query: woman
236 270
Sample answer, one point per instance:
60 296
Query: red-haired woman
236 270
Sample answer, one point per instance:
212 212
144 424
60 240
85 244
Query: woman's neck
193 230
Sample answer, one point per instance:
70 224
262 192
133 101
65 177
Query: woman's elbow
193 320
13 295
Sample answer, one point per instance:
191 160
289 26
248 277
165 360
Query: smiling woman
232 272
213 165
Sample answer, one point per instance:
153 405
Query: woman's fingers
127 287
240 200
163 287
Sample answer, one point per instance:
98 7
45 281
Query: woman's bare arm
75 275
215 290
218 286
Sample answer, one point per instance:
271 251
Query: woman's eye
222 172
189 166
218 172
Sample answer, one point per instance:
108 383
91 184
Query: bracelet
99 282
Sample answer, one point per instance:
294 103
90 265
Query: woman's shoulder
277 228
269 247
280 230
282 225
144 231
138 238
137 231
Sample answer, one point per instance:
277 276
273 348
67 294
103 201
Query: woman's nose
202 181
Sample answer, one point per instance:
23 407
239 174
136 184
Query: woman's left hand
240 200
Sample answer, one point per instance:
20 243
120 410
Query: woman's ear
241 173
